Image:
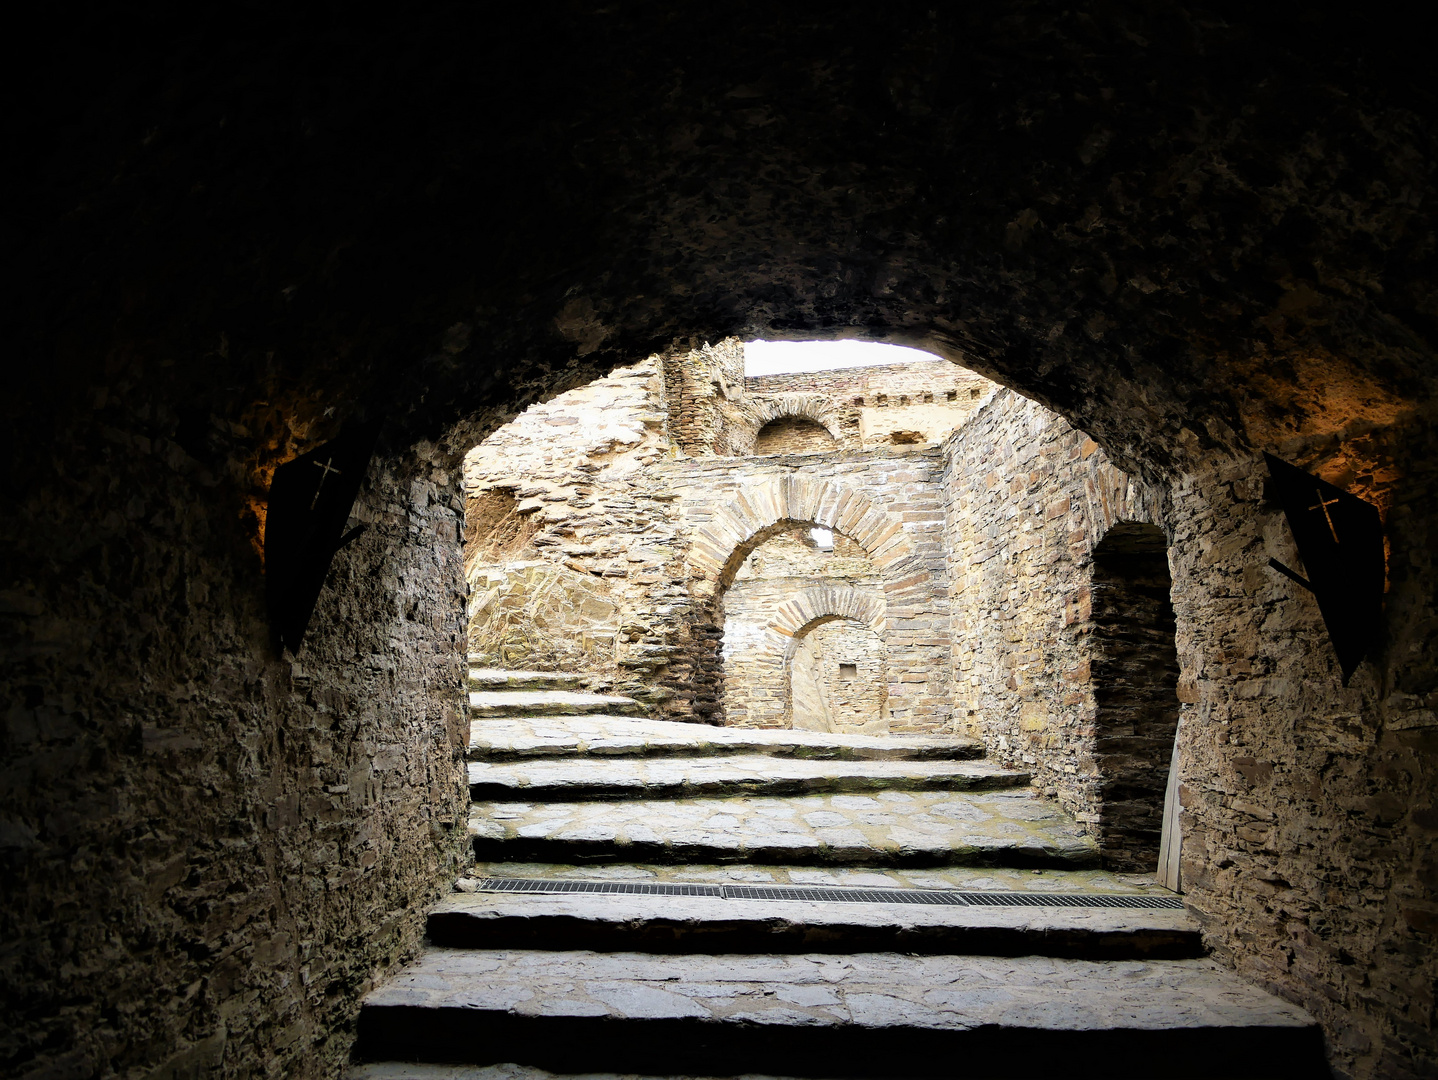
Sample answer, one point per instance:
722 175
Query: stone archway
758 672
813 607
719 546
763 411
837 678
731 522
1188 296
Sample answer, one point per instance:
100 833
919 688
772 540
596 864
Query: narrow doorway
1135 679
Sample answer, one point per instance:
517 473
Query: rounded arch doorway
837 675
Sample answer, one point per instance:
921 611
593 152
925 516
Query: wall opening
780 594
793 435
1135 681
838 679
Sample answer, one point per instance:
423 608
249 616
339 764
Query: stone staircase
657 898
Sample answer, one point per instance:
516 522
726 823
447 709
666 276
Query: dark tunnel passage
1194 234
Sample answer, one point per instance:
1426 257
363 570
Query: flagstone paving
865 1014
768 923
730 774
483 703
888 828
505 737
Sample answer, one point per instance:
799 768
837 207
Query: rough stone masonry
1195 231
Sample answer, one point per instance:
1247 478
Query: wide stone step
483 678
582 777
888 828
752 922
512 737
489 703
865 1014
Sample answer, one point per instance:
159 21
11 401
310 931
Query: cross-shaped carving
328 466
1323 505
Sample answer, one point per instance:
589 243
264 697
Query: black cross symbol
1324 505
330 468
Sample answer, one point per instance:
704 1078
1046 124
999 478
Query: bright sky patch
781 357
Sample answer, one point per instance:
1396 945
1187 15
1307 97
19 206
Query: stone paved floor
868 989
534 736
728 774
887 828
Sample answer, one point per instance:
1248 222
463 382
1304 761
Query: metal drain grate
836 895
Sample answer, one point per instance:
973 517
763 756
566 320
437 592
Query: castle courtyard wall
1028 498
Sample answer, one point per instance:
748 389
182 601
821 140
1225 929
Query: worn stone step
581 777
511 738
864 1014
487 678
888 828
491 703
715 924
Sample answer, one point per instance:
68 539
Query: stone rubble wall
1308 807
601 552
211 852
1028 498
704 391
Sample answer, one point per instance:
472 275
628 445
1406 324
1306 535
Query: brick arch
821 604
765 410
770 506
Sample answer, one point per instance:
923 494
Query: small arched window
793 435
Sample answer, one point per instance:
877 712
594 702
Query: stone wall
1308 814
704 391
605 530
1029 498
1134 674
892 405
596 551
210 852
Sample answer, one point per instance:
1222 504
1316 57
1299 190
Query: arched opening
1195 270
789 586
1135 679
838 679
793 435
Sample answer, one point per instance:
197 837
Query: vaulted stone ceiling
1175 224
